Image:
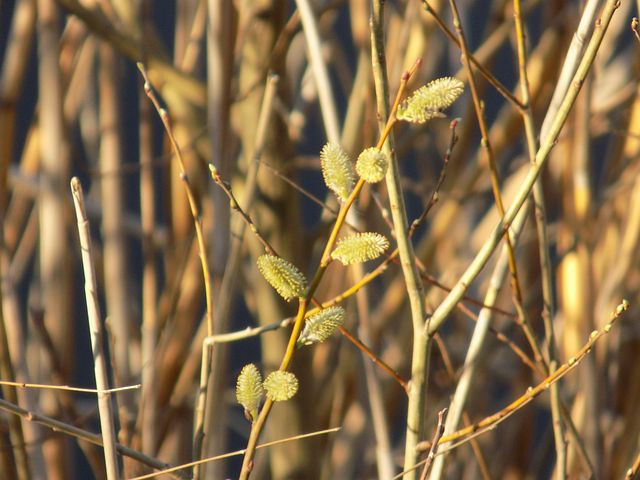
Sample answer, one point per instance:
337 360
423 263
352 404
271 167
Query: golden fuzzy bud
321 326
288 281
281 386
337 170
249 389
427 101
372 165
360 247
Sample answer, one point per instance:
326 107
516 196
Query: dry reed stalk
13 69
476 343
97 335
275 212
489 156
80 434
201 245
163 74
228 284
549 309
16 434
148 407
115 250
384 458
52 207
220 39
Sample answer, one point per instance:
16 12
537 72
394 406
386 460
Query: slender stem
532 392
495 184
543 247
95 328
504 91
149 332
476 344
320 72
574 58
434 443
378 361
16 433
79 433
635 468
444 309
233 203
69 387
193 204
237 453
421 344
202 253
385 464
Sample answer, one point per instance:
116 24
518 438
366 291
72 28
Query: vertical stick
95 331
54 258
421 344
548 310
116 265
149 339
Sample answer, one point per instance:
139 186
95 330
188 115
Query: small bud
623 307
249 389
281 386
288 281
337 170
321 326
372 165
360 247
427 101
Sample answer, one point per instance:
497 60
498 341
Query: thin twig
319 69
442 414
202 247
68 388
463 385
97 338
237 453
444 309
453 139
504 91
79 433
543 248
297 187
495 182
233 203
375 359
634 28
489 423
632 473
193 204
250 332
